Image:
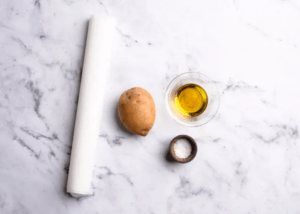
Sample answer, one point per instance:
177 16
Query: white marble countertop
249 155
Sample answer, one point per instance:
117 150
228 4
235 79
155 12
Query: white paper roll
91 97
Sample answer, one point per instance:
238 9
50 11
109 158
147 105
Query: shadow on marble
169 157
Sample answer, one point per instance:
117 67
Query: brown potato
136 110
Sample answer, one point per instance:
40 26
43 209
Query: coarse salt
182 148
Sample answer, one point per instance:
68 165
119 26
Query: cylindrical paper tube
91 97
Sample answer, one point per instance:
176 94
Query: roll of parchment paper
91 97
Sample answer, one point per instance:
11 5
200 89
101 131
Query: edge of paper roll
77 195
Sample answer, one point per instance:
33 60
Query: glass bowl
212 93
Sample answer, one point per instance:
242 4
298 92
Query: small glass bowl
211 90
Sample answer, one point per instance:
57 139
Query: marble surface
249 156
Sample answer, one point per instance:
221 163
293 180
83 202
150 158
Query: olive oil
191 100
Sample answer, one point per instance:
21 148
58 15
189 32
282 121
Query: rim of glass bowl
174 116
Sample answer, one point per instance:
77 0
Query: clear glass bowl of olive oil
192 99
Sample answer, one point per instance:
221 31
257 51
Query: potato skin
136 110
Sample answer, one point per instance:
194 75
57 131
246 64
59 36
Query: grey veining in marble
249 155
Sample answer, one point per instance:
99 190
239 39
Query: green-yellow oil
191 100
